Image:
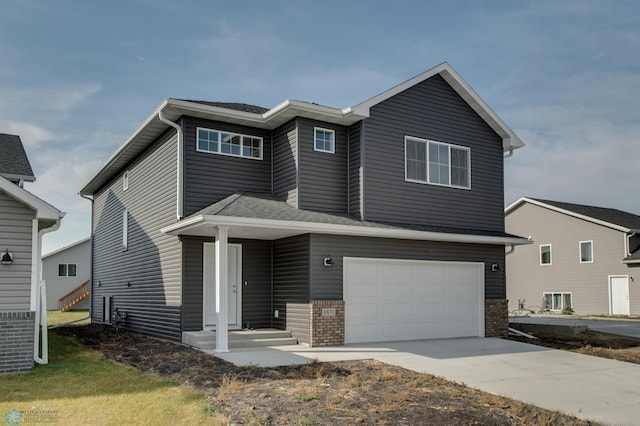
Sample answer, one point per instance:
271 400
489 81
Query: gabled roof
612 218
263 216
254 116
45 211
65 248
14 163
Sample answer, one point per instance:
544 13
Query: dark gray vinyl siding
298 321
322 177
256 273
290 275
15 235
209 177
355 133
152 264
285 162
326 282
431 110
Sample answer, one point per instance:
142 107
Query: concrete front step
240 339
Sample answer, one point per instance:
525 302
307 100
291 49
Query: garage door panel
411 299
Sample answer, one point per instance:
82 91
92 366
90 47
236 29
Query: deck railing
75 296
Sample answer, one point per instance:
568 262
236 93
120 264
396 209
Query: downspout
510 154
628 243
90 257
41 302
180 154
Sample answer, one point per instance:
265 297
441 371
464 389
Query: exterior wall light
328 261
495 267
7 259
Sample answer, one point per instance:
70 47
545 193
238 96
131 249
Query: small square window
125 180
62 269
324 140
71 270
586 251
545 254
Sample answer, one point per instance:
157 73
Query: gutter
41 302
180 173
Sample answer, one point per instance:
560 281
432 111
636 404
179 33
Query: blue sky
78 77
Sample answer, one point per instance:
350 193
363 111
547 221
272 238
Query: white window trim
125 180
125 230
219 151
580 251
426 182
333 144
550 255
562 293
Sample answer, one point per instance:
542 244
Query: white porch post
222 285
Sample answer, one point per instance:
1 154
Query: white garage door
388 299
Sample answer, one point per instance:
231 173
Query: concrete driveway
622 327
585 386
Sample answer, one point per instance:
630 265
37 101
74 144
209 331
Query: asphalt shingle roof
232 105
267 206
13 160
614 216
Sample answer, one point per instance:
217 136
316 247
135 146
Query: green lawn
59 317
80 386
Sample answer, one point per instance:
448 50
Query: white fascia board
325 228
567 212
43 209
510 140
25 178
64 248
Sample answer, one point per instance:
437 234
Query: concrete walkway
585 386
623 327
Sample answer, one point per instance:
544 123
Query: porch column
222 298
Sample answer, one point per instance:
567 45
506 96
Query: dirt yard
354 392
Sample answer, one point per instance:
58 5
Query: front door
619 295
209 286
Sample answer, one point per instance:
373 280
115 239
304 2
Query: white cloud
31 135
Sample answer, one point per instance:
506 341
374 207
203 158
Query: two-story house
583 257
381 221
24 219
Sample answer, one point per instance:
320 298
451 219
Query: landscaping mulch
350 392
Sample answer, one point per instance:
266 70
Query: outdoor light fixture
495 267
328 261
7 259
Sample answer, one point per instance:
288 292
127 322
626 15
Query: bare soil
352 392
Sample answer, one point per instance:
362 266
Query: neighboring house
585 258
381 221
67 272
24 218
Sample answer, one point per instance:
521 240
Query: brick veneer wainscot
496 317
326 330
16 341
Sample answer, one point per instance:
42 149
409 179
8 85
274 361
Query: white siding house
66 269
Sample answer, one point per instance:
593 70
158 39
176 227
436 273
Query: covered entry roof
262 216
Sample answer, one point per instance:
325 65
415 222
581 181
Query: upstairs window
227 143
545 254
586 251
437 163
66 269
324 140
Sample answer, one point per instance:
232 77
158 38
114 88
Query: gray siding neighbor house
380 221
24 219
585 258
67 272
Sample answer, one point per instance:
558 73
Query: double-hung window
437 163
228 143
545 254
586 251
324 140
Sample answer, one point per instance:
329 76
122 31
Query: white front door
209 286
619 295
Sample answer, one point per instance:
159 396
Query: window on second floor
324 140
545 254
66 269
586 251
437 163
228 143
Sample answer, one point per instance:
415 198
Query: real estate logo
13 417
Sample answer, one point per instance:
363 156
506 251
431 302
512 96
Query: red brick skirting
496 317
